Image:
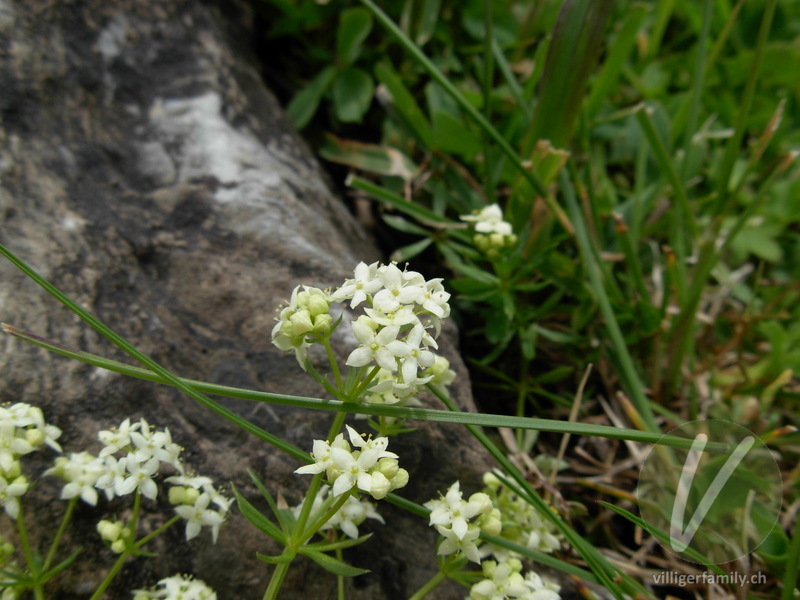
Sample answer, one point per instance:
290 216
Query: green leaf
660 535
573 52
341 544
406 107
408 252
332 565
401 224
285 517
354 27
352 94
372 158
305 102
429 15
259 521
280 559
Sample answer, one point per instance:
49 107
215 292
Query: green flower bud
318 305
400 480
380 485
492 523
118 547
301 323
110 531
322 323
35 437
14 471
389 467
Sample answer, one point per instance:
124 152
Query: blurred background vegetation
644 153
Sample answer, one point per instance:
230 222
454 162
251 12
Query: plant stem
98 593
60 533
157 532
276 580
326 342
365 384
429 586
38 590
309 532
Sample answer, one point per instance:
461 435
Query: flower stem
109 578
60 533
326 342
316 482
157 532
365 384
276 580
308 533
110 575
38 589
428 586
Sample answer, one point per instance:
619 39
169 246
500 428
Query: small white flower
200 515
395 291
417 356
453 512
115 439
466 545
11 492
140 478
179 587
81 472
383 347
364 284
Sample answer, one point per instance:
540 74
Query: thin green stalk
696 93
468 108
365 384
792 564
629 375
165 375
398 412
488 75
316 481
732 150
156 532
631 259
115 569
38 590
340 593
428 586
643 116
326 342
315 527
60 533
275 582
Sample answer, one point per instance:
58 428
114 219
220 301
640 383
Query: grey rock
147 171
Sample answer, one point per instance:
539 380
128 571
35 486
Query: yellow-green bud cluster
115 534
305 315
492 233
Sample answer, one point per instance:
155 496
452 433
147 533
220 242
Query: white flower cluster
352 513
492 233
178 587
129 462
402 317
505 580
22 430
526 526
460 521
370 468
